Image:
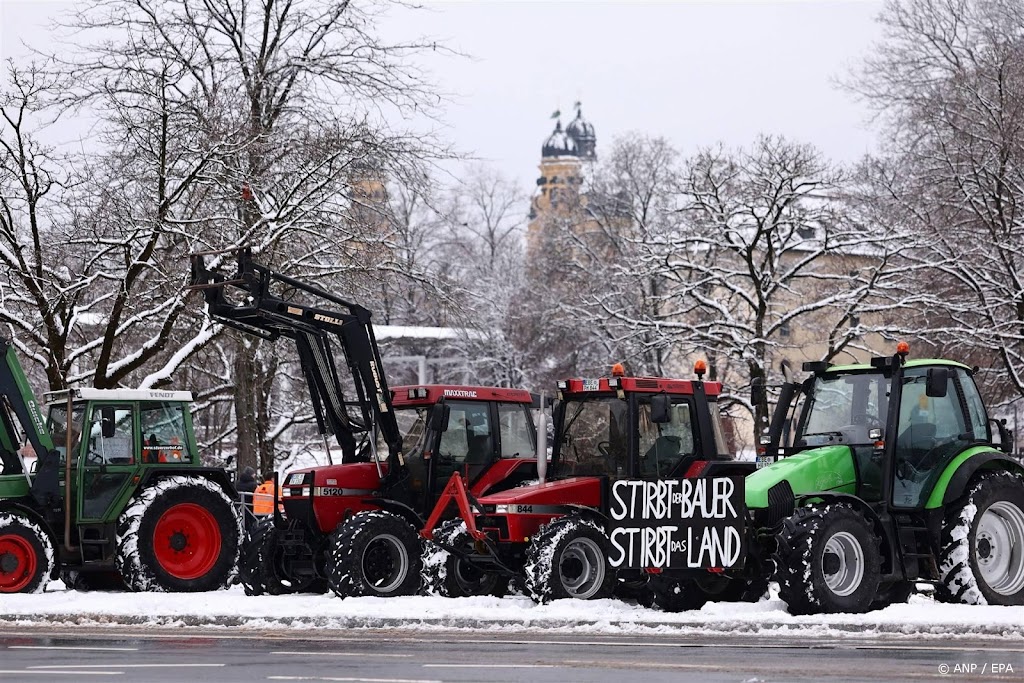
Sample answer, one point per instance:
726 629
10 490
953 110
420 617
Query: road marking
70 647
121 666
489 666
335 654
351 680
22 672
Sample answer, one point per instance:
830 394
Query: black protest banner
677 524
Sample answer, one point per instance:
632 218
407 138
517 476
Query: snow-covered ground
921 617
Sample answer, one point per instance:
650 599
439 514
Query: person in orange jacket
263 497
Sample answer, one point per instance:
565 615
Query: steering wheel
604 448
865 420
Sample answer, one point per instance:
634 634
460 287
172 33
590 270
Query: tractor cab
884 475
889 427
639 428
116 437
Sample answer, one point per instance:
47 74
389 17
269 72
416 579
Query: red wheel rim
187 541
18 563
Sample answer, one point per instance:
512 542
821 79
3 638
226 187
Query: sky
696 73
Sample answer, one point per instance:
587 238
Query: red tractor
615 438
352 526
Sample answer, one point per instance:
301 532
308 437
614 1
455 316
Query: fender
958 474
214 474
36 518
590 513
397 508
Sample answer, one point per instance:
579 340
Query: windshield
56 424
594 438
845 409
411 425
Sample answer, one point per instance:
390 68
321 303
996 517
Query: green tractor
890 475
131 507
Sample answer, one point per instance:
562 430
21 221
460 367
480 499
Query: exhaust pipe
542 442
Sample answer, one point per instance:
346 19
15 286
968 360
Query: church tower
564 158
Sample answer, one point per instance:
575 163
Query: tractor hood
829 468
574 491
354 475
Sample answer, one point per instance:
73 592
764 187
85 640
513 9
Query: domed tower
582 133
561 175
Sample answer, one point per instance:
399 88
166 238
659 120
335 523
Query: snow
920 617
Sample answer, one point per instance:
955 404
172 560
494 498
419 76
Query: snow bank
922 616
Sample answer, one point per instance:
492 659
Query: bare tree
948 83
222 123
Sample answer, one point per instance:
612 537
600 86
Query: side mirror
937 382
661 409
439 417
757 395
107 422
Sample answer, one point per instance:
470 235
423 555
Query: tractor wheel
827 560
26 555
374 553
180 535
446 575
569 559
264 566
257 571
982 547
679 596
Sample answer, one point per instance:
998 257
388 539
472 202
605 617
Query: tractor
116 495
618 440
351 526
889 474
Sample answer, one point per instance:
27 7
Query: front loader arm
18 407
315 323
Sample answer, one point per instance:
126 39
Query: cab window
57 425
163 433
468 437
515 431
931 432
664 444
111 436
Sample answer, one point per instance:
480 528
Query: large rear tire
981 560
827 561
180 535
568 558
374 553
26 555
449 576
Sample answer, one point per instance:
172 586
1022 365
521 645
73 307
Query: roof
917 362
88 394
640 385
435 392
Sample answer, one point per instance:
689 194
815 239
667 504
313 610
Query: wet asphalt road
395 656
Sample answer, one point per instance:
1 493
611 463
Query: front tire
374 553
26 555
982 545
568 558
449 576
827 561
181 534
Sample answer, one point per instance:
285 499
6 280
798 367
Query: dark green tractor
888 474
132 506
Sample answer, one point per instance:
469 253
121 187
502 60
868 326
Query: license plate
764 461
591 384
